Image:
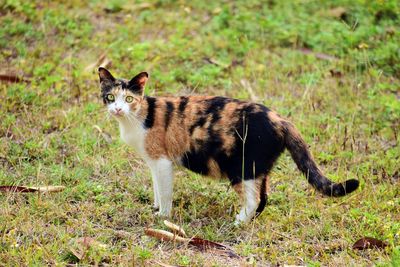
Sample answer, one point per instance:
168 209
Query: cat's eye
129 99
110 97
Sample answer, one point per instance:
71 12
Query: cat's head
121 96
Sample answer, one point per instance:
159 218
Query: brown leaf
31 189
11 78
336 73
204 244
16 189
369 242
197 242
175 228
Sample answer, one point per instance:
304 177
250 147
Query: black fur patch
199 123
196 162
182 104
168 113
196 159
215 106
149 121
124 84
263 197
106 87
262 145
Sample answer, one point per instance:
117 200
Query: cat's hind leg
247 190
163 170
253 195
263 188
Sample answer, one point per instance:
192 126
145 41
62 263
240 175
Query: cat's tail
305 162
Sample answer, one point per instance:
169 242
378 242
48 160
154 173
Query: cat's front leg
162 168
156 205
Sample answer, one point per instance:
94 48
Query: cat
210 135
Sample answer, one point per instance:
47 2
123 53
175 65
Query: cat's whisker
130 117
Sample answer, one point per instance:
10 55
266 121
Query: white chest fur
133 134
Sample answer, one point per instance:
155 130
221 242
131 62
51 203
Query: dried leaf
204 244
102 61
307 51
31 189
16 189
165 235
13 78
199 243
175 228
369 242
336 73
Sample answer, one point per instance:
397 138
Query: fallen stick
197 242
165 235
31 189
175 228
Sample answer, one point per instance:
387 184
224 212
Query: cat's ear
105 75
137 83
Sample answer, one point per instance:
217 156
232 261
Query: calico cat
210 135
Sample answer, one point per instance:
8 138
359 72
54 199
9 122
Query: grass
347 108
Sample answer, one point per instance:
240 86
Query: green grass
348 110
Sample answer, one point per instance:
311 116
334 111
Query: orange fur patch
214 170
239 190
276 122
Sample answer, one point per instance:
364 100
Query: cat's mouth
118 114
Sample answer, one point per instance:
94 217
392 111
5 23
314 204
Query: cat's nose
118 110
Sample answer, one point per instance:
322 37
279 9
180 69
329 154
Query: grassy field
332 67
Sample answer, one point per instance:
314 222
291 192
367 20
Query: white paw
237 223
161 213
